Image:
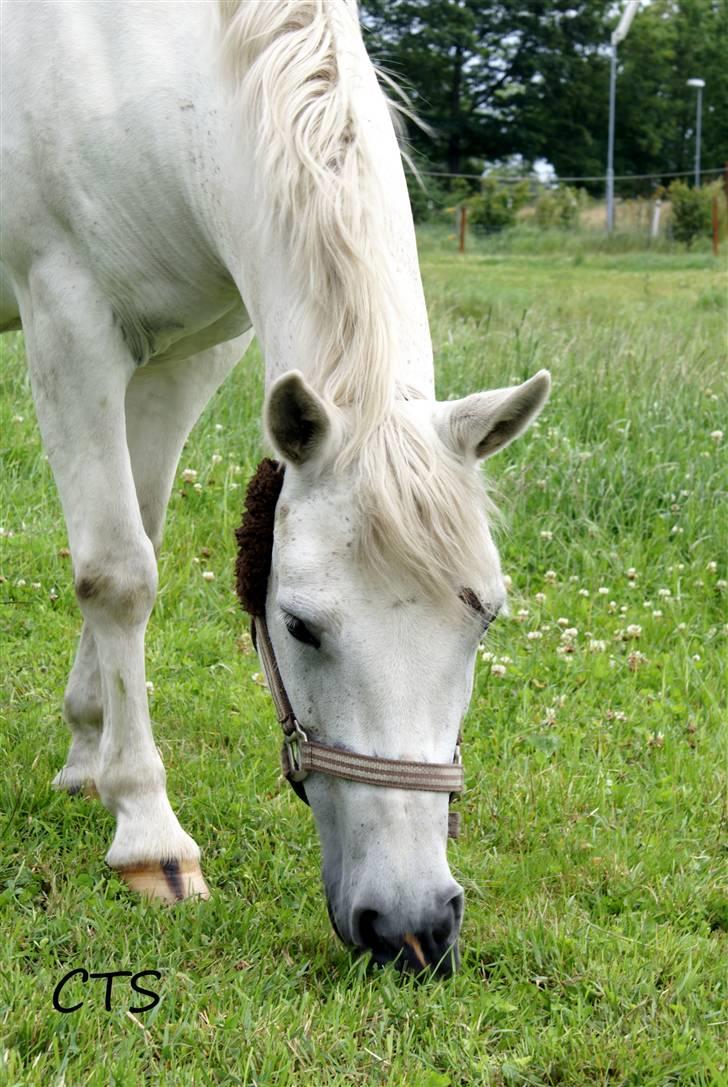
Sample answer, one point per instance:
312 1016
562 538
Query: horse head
375 608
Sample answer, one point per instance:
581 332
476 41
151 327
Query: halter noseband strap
301 755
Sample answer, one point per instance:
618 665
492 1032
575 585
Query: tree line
497 78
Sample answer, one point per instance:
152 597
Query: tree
495 78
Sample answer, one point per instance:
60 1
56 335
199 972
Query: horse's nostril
367 933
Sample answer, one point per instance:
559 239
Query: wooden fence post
463 227
715 225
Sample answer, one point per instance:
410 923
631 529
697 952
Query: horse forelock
424 514
297 67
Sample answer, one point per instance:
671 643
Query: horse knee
122 583
83 705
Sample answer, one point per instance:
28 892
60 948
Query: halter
301 755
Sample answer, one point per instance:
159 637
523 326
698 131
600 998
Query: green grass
593 850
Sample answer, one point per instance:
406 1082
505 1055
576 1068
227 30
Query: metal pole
610 143
697 137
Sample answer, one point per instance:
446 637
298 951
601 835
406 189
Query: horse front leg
84 714
163 402
80 370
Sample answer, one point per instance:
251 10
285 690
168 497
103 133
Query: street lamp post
617 36
698 84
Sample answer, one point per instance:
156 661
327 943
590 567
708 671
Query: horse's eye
485 614
299 630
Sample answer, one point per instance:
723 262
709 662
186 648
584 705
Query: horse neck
284 247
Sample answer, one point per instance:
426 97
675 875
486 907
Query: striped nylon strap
301 756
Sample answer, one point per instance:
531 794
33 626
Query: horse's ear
296 418
481 424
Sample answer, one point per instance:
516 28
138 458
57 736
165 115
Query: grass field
593 851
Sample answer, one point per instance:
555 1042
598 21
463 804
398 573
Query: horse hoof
166 881
74 784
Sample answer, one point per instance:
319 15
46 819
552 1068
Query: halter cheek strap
301 756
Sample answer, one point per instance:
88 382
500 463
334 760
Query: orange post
463 228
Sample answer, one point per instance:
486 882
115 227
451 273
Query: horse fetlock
128 789
148 833
76 778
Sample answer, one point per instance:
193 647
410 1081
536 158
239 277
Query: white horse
175 176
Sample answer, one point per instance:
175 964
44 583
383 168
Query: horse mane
297 70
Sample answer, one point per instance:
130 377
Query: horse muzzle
429 947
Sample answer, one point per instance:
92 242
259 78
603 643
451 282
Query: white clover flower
656 739
150 686
550 577
219 427
634 630
664 593
612 606
549 717
18 418
189 475
508 581
566 649
521 615
721 583
716 435
35 585
546 535
534 635
487 657
646 604
562 622
197 487
498 670
20 583
569 634
237 469
696 656
597 645
215 458
574 578
623 610
676 530
234 486
540 598
505 660
208 575
635 660
195 559
682 626
657 614
583 592
603 590
712 567
632 573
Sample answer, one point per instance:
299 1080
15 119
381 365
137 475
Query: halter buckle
293 740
